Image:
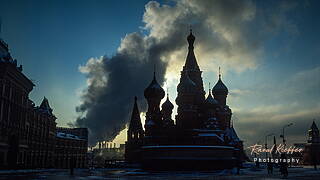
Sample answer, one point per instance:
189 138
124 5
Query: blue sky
51 39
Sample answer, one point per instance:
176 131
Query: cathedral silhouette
202 136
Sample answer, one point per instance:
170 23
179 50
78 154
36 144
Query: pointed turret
45 107
314 136
314 126
135 135
135 130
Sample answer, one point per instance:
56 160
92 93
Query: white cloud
226 35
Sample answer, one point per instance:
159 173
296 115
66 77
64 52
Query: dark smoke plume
223 34
113 82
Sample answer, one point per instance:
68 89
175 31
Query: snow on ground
126 173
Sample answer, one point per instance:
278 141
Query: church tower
192 68
135 136
224 113
190 91
313 133
153 93
135 131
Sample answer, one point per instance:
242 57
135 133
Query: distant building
71 146
28 137
311 154
202 135
108 152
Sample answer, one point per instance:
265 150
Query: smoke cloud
228 32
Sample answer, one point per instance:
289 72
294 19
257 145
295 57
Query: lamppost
266 143
283 139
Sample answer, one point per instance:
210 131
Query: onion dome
220 87
186 84
210 101
167 104
154 90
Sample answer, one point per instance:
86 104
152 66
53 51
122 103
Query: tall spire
135 130
314 126
135 121
314 134
191 39
191 62
219 72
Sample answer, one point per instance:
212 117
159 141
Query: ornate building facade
14 110
202 130
28 135
41 136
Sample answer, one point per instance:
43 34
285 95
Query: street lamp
266 142
282 136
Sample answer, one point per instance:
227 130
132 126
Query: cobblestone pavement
123 174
